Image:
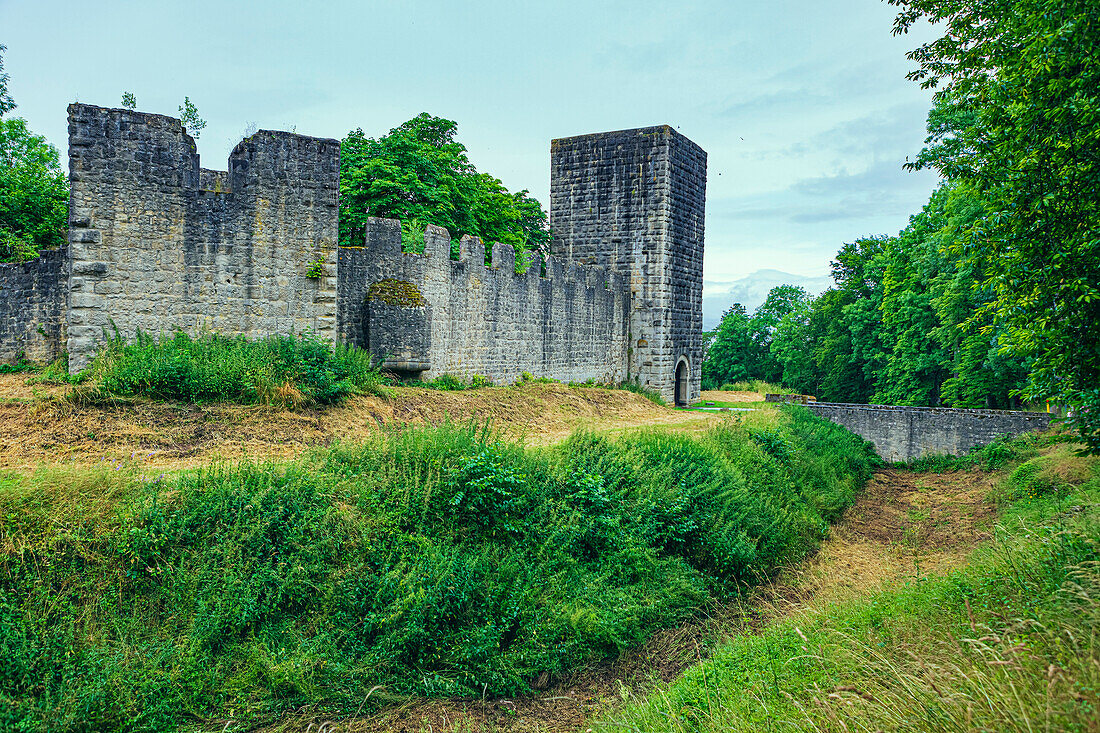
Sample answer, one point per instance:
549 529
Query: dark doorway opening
682 384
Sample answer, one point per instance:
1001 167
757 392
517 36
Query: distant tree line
991 295
906 323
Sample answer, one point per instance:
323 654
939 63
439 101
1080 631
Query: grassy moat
533 557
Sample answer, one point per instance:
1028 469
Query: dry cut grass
38 426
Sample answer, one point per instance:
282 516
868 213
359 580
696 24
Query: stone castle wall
159 244
569 324
32 308
633 201
906 433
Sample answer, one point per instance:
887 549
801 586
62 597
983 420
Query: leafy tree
189 116
781 301
788 346
420 173
732 354
915 363
129 101
1019 90
6 102
846 328
34 196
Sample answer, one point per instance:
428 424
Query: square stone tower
633 201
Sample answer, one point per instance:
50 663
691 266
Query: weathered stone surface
32 308
162 244
158 243
486 321
905 433
633 201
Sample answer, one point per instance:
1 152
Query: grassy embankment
430 561
1009 642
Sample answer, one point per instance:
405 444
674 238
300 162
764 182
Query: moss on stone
396 292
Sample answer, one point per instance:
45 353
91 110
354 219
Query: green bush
284 370
430 561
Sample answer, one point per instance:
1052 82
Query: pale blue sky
802 106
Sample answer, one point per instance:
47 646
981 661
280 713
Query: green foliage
419 173
1008 642
285 370
1018 121
34 195
129 101
755 385
449 383
731 354
433 561
7 104
744 347
907 322
20 366
189 117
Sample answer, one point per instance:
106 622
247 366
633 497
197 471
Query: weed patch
276 370
630 385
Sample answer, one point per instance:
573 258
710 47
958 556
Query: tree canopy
34 195
905 323
1018 122
420 173
991 295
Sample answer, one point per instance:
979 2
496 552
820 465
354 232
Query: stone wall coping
935 410
471 251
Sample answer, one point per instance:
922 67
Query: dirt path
904 525
38 426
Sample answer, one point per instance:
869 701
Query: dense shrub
433 561
286 370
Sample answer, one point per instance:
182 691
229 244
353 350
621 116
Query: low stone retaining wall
905 433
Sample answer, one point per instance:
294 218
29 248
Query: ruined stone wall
32 308
570 324
159 244
633 201
906 433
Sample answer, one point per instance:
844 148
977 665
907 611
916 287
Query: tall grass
1011 642
432 561
284 370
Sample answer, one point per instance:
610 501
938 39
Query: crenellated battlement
385 240
555 318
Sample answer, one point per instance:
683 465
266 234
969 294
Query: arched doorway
682 389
